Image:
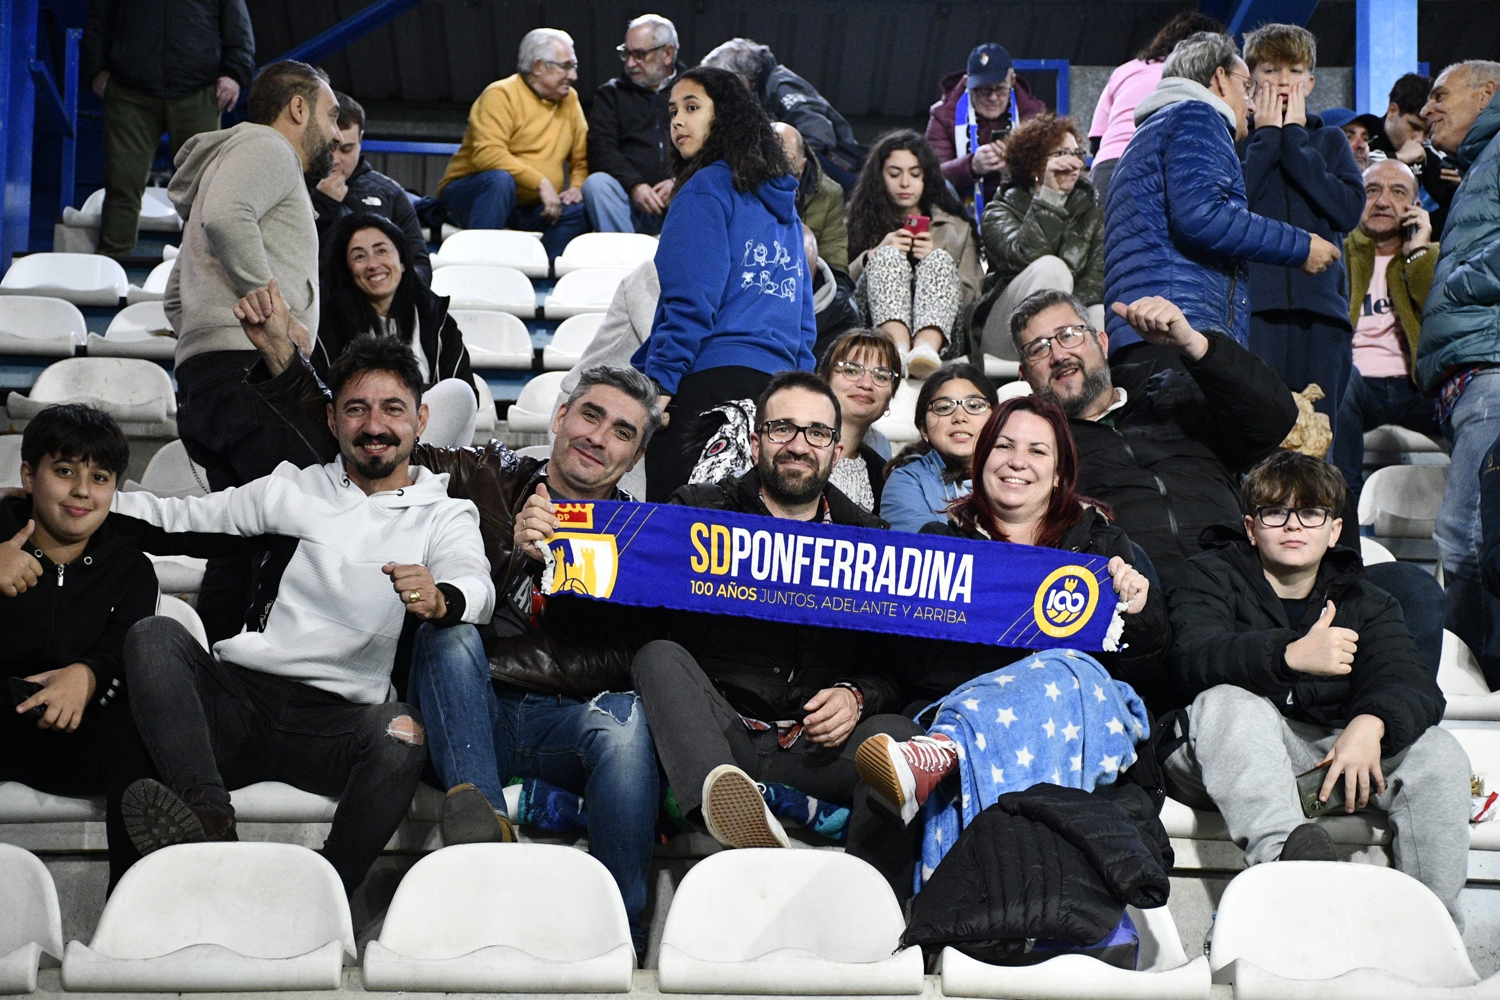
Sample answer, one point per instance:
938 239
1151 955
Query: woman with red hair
1025 474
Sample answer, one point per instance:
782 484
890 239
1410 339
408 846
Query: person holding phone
1296 661
914 257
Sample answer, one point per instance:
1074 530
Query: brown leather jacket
579 647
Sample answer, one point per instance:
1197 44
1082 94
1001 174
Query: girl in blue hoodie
736 289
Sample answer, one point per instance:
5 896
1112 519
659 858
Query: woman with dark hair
1045 231
1025 471
864 371
736 301
912 283
1114 115
924 480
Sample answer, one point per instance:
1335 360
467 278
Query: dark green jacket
1019 227
1407 279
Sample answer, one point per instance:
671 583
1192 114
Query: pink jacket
1114 115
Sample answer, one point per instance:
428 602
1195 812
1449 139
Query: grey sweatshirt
248 219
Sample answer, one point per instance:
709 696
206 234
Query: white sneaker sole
884 769
735 813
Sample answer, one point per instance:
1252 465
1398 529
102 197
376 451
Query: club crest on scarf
1065 601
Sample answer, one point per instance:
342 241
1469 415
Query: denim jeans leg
450 682
482 201
1422 605
607 204
573 222
1348 451
1472 428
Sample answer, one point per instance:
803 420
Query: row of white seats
505 289
501 340
157 214
523 251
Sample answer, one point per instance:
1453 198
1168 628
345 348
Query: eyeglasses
1246 82
990 92
1058 154
783 431
946 406
566 67
854 371
1308 517
1068 336
639 55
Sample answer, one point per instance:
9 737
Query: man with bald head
820 200
1389 260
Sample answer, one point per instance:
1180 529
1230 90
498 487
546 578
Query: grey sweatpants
1243 756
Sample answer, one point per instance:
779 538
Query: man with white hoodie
248 220
308 698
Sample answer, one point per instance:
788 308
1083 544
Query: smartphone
917 224
1309 784
1409 233
21 689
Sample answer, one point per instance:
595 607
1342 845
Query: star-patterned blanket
1054 717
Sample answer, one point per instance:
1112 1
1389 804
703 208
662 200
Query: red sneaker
902 775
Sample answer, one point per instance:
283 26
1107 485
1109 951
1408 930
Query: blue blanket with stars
1054 717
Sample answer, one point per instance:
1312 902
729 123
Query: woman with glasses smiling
930 474
864 369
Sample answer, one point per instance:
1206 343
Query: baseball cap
1339 117
989 64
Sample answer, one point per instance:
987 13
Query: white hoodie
337 618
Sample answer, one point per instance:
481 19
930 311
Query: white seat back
30 920
900 424
85 279
1401 501
181 611
487 287
1391 437
142 321
484 422
572 338
533 410
129 389
1373 553
1458 670
40 325
494 339
623 250
171 473
586 290
503 247
10 460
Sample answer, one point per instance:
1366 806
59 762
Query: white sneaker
736 814
922 362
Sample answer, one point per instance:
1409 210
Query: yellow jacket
512 129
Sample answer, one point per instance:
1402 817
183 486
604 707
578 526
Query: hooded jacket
793 100
1177 224
1461 320
628 132
736 288
1408 280
247 218
769 670
820 203
373 193
438 338
1229 627
942 119
168 48
78 613
1305 175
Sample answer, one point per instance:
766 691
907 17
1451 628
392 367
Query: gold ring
413 597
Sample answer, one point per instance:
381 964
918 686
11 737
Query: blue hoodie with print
736 288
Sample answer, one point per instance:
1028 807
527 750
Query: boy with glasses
1298 663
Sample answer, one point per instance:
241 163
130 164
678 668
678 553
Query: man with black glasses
736 701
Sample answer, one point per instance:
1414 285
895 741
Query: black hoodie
1229 627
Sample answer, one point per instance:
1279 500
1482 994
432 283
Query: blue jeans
610 209
1369 403
1422 605
600 749
1473 614
487 200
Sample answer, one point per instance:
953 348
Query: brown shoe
468 818
157 817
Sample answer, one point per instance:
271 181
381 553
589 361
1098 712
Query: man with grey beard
1163 448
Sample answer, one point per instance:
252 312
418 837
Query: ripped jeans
600 749
218 726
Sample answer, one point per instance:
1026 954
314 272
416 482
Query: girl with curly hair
736 301
1045 231
911 283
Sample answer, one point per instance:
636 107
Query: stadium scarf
932 586
966 138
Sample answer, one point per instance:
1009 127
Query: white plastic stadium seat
535 451
494 289
1319 930
84 279
30 920
622 250
532 412
157 215
484 422
1393 438
503 247
171 473
1373 553
40 325
1465 690
1401 501
755 921
1164 971
129 389
137 331
900 425
573 337
504 918
10 461
181 611
588 290
155 288
1010 390
999 368
221 917
494 339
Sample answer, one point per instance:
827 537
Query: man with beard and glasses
736 701
308 698
250 226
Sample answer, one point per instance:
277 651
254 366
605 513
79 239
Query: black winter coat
769 670
168 48
793 100
1231 628
437 332
1167 461
628 133
1047 862
1308 177
373 193
936 668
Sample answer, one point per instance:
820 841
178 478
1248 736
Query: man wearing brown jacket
1390 260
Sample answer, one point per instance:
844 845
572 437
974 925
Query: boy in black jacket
72 587
1296 661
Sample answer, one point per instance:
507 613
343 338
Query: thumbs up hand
19 569
536 523
1324 650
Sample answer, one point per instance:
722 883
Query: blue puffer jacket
1461 320
1176 222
